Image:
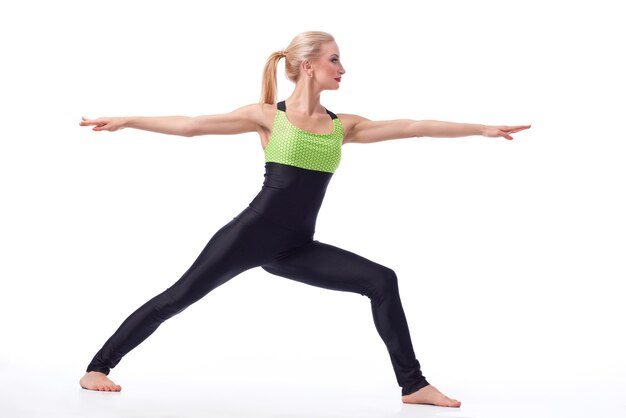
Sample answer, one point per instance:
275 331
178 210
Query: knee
168 304
384 284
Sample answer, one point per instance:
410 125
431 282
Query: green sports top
293 146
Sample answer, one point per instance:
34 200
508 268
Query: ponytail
270 84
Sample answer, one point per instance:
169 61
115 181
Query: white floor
58 395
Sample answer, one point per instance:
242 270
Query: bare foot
98 381
431 396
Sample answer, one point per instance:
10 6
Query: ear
305 67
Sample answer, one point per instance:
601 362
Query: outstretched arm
361 130
245 119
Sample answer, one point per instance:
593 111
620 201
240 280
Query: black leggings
251 240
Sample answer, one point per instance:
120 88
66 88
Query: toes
453 402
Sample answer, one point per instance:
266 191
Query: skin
305 111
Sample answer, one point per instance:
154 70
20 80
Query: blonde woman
302 143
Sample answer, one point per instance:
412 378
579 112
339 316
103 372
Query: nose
342 70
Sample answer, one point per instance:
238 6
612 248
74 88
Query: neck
305 98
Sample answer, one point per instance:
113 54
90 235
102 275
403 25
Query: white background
510 254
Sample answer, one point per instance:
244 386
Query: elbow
189 128
423 128
417 129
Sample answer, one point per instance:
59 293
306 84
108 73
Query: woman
302 144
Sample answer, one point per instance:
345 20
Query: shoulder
260 113
349 121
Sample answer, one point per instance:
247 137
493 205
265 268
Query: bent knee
389 280
383 283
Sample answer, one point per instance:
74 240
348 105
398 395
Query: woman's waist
297 212
291 196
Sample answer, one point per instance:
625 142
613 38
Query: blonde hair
305 46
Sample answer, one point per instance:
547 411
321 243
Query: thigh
330 267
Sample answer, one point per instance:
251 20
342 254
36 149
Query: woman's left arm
364 131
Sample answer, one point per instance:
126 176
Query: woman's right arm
245 119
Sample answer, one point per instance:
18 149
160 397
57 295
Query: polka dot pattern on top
293 146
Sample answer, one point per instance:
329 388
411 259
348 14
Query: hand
503 131
103 124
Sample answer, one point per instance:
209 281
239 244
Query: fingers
513 129
87 122
102 127
506 130
101 124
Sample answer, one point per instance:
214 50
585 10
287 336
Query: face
327 69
